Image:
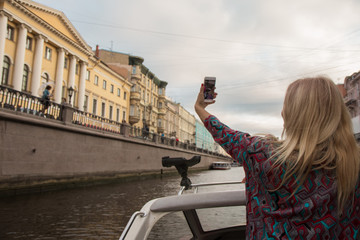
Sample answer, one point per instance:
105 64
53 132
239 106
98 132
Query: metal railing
197 185
180 192
24 102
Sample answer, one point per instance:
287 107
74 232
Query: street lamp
71 92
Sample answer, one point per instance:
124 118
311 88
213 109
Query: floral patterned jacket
311 213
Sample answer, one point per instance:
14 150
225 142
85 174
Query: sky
254 48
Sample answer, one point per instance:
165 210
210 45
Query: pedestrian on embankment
45 98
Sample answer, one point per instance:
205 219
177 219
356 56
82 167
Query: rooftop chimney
97 51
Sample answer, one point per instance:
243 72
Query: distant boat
220 166
235 164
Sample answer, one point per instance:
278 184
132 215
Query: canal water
101 212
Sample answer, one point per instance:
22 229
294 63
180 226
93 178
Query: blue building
203 138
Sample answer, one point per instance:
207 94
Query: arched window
6 70
25 78
45 78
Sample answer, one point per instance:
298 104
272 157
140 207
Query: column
59 75
81 95
72 71
36 74
19 57
72 74
3 32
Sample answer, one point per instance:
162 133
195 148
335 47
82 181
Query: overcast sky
254 48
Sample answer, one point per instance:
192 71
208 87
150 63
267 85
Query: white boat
235 164
190 204
220 166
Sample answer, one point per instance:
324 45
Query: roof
54 20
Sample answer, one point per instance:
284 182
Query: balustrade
28 104
24 102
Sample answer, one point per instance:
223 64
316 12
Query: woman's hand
200 104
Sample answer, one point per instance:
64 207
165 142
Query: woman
307 185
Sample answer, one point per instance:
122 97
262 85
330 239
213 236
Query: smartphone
209 88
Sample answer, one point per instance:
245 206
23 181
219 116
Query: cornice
9 16
63 18
107 68
21 5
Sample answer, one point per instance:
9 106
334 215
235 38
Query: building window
103 109
63 91
110 112
25 78
159 104
118 92
124 95
77 69
160 91
10 33
104 84
48 53
45 78
94 106
111 88
124 116
86 102
133 70
29 41
96 80
132 110
73 99
66 62
6 70
118 115
87 75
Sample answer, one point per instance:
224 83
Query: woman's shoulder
267 144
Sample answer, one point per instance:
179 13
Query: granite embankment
38 154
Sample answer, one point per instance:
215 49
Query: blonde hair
318 135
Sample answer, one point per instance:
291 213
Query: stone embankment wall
36 151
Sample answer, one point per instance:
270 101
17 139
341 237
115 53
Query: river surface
101 212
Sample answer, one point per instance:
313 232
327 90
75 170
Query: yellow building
147 94
39 46
172 127
186 126
179 122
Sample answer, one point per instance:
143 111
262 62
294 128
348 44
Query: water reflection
99 212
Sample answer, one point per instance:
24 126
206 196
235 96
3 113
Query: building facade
352 100
186 126
352 97
39 46
179 123
147 94
204 140
172 118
